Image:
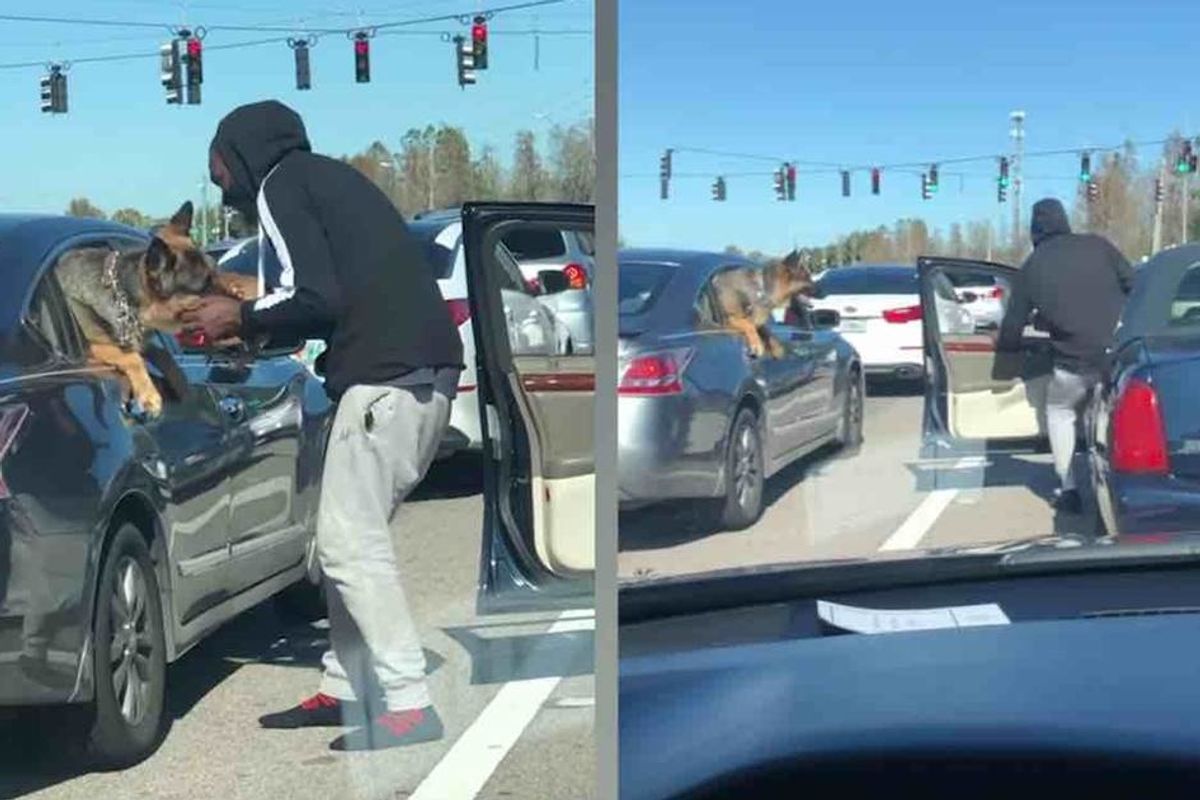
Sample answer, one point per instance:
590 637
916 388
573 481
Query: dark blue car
124 541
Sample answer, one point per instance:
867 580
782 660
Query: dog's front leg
133 367
773 344
747 329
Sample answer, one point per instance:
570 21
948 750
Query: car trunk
864 324
1174 369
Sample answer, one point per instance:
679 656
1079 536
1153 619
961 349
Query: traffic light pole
1187 185
1018 134
1156 243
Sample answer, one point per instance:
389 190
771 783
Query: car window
532 244
639 286
587 243
868 281
510 275
1185 306
798 315
44 316
440 242
706 309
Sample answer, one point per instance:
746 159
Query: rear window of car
868 281
962 280
533 244
440 258
639 286
1185 307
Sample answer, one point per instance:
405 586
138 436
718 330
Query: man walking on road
353 276
1077 284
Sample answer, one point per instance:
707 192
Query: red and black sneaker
393 729
318 711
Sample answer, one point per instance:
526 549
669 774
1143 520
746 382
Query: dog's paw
151 403
777 350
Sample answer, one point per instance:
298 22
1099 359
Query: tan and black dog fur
748 296
115 302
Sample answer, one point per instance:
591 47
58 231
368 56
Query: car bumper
903 371
666 451
1146 505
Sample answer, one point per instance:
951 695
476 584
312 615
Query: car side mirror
826 318
553 281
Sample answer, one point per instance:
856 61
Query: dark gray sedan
699 417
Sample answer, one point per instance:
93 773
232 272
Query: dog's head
791 276
173 264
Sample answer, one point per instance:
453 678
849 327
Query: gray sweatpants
382 443
1064 396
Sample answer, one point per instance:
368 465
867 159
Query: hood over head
251 140
1049 219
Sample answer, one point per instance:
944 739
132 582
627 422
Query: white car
880 311
533 327
983 295
539 251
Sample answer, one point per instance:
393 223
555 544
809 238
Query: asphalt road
882 499
516 700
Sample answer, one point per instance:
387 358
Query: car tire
744 482
127 715
849 436
303 601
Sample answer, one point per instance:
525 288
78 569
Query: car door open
976 396
536 406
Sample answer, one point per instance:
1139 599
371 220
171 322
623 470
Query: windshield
950 381
639 286
883 280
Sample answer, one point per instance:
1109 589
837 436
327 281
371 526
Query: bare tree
82 207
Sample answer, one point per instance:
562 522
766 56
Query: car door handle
233 408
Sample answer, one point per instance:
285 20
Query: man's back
1076 282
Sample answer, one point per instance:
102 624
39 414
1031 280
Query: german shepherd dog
748 296
116 297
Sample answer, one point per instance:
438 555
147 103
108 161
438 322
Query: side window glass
44 317
1185 306
706 310
548 306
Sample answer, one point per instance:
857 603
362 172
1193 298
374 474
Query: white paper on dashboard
872 620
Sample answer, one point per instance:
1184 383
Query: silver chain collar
128 323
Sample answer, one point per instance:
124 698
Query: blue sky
881 82
122 145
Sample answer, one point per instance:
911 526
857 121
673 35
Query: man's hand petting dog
217 317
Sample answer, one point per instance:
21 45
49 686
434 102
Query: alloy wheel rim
130 645
746 466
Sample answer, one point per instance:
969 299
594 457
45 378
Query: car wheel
744 473
850 427
129 657
303 601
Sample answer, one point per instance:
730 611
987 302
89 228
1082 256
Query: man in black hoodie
353 276
1077 284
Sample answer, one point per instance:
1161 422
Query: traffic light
718 189
195 67
303 68
780 184
1187 160
362 58
479 41
1158 190
170 72
875 180
1085 168
664 173
464 53
1093 192
1003 180
925 193
845 183
54 91
933 178
1001 193
791 181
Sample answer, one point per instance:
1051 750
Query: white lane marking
466 767
922 518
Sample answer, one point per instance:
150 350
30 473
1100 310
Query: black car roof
1148 309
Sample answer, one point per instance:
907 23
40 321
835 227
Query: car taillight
655 373
191 339
906 314
11 418
996 293
576 276
1139 439
460 311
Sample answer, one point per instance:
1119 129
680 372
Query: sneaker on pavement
393 729
318 711
1069 501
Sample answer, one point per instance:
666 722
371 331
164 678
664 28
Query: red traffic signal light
362 58
479 41
875 180
791 182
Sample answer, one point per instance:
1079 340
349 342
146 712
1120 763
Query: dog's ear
181 222
158 256
792 259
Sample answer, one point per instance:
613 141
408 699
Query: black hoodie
352 274
1076 282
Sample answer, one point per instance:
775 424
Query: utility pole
1159 186
1018 135
1186 182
